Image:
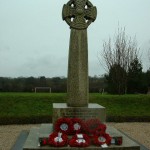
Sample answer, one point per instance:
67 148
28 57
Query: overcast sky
34 40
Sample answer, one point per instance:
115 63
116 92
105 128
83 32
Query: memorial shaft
78 14
77 86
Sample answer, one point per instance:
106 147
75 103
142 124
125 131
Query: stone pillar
78 14
78 85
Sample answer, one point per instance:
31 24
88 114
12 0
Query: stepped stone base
45 129
92 111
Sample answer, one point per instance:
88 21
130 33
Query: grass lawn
28 104
123 105
40 104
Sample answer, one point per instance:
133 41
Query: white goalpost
42 88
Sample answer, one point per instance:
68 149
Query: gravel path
138 131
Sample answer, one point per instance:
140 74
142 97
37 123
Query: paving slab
45 130
23 136
20 140
32 141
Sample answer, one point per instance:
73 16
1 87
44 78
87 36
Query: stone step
45 130
32 140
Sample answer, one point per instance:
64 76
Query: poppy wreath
77 125
91 126
101 129
58 139
102 139
64 125
79 142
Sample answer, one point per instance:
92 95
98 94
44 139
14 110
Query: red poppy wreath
77 125
102 139
101 129
64 125
91 125
79 140
58 139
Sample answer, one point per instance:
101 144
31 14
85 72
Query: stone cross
78 14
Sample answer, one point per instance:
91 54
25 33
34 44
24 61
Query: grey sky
34 40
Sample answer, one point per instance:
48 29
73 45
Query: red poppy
43 141
102 139
77 125
64 125
101 129
80 140
91 125
58 139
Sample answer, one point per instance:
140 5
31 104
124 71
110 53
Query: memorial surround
78 14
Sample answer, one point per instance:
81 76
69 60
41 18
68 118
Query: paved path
139 131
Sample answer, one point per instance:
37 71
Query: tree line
138 82
57 84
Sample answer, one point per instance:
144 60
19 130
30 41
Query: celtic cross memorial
78 14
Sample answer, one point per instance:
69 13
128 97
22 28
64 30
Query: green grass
28 104
123 105
40 104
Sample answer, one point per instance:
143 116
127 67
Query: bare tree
120 53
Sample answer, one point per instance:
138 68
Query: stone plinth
92 111
32 140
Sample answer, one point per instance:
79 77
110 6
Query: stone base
92 111
45 129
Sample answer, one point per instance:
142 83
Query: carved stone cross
78 14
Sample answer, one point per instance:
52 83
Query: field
37 107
